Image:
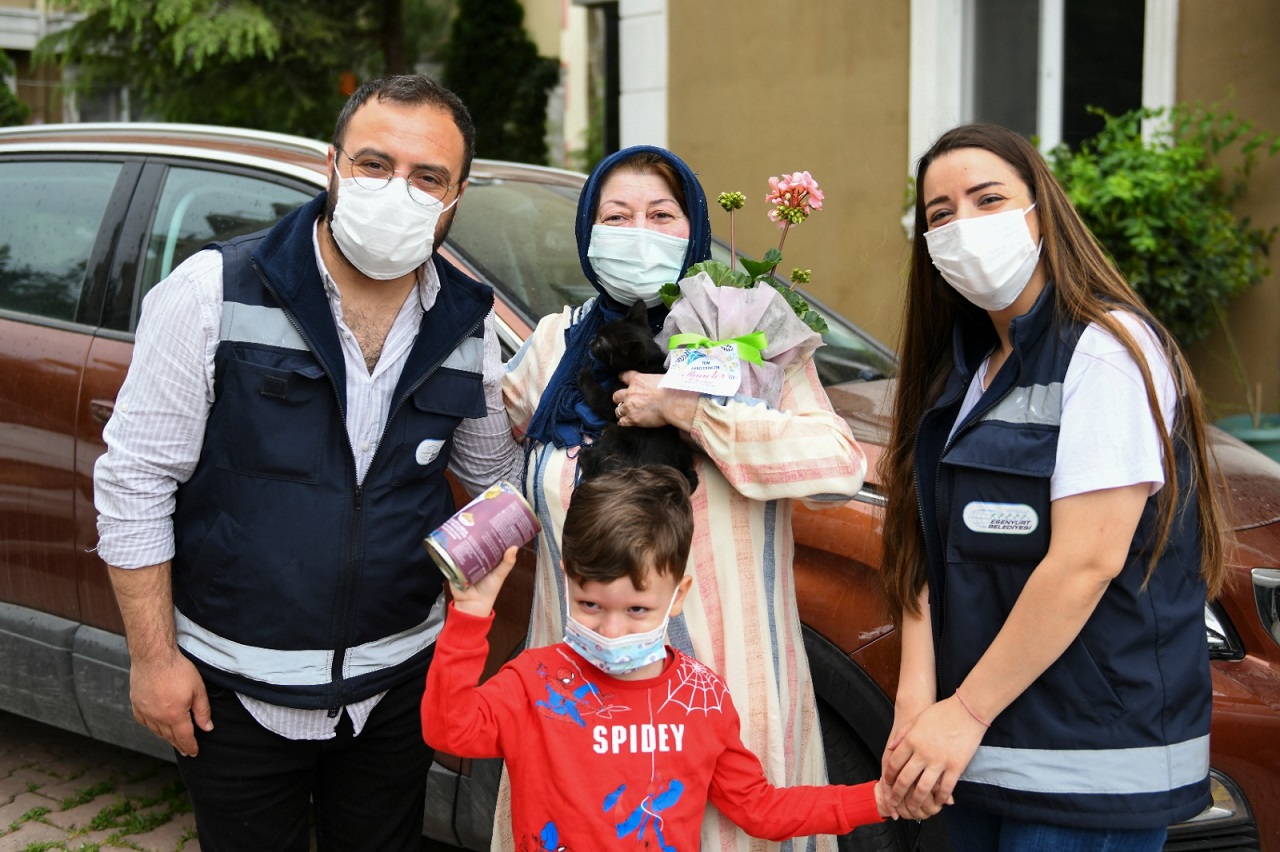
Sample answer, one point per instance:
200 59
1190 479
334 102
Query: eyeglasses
372 172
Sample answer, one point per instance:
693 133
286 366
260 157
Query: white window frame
642 72
941 77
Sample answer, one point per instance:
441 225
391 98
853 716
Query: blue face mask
622 654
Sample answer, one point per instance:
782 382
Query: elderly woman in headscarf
642 221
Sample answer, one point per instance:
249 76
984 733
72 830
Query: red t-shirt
594 760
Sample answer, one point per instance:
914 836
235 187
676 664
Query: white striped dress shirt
155 435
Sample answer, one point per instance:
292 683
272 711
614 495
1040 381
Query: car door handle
101 409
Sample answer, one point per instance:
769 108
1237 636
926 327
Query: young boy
612 737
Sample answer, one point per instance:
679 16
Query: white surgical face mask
622 654
383 232
632 264
987 259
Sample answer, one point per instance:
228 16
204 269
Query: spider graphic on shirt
646 816
548 840
570 696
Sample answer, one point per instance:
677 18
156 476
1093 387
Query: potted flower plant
735 331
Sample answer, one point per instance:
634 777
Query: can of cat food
471 543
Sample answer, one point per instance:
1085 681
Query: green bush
493 66
1163 208
12 110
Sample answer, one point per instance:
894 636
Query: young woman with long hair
1053 525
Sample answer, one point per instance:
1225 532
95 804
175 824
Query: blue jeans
973 830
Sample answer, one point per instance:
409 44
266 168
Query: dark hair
412 90
1087 286
626 522
650 163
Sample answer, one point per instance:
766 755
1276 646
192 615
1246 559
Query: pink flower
793 197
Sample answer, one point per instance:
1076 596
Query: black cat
621 345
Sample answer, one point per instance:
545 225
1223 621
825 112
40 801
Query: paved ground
62 791
66 792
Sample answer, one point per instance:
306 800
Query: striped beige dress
740 618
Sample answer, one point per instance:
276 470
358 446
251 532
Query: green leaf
172 54
720 273
669 294
1162 208
756 268
815 321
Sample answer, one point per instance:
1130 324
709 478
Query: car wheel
849 763
856 717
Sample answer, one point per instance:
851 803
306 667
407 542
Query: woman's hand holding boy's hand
888 810
926 756
884 803
477 599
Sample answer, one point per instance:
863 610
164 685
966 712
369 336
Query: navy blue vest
292 584
1115 734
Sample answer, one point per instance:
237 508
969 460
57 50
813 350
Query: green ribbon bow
749 345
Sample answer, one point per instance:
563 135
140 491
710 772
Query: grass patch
30 816
88 794
140 814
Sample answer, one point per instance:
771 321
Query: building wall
39 87
755 90
1226 55
543 21
559 29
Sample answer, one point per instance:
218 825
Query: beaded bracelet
965 705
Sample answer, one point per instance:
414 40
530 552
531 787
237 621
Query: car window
200 206
519 236
49 221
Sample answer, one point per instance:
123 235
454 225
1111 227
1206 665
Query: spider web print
696 688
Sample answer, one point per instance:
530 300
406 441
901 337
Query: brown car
91 216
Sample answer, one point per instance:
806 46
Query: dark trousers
255 790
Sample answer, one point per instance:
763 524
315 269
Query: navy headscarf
563 418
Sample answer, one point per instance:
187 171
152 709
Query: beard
442 229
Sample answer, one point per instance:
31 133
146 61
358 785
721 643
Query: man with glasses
277 453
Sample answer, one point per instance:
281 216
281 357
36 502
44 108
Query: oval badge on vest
1001 518
427 451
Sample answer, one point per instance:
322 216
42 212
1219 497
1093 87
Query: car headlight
1223 643
1227 819
1266 593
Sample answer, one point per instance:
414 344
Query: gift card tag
715 371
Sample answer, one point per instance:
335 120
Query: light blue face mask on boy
622 654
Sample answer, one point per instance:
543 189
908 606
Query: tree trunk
393 36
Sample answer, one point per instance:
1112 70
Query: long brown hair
1087 287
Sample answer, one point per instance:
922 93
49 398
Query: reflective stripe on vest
272 327
1036 404
1151 769
303 668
